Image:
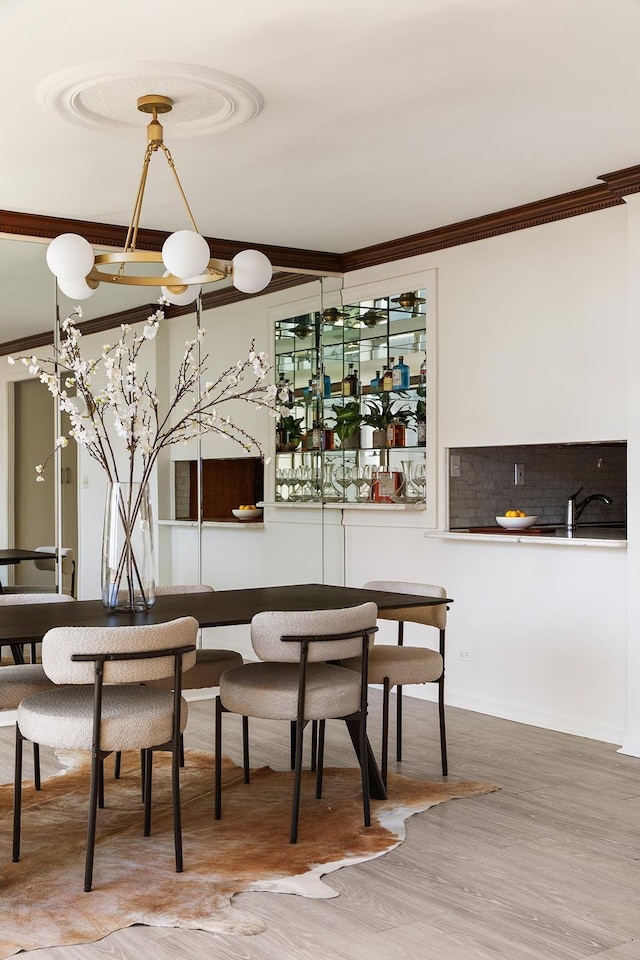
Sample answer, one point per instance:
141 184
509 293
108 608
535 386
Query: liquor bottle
323 385
396 434
350 383
401 376
423 370
308 391
375 383
387 376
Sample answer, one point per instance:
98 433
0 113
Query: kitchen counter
586 535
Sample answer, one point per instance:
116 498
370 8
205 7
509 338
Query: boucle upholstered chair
397 666
106 707
210 663
17 599
294 681
51 564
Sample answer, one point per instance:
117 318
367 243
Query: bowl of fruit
247 511
516 520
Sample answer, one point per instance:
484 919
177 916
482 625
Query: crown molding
572 204
114 235
216 298
622 182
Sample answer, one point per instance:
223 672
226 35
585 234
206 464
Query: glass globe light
70 257
76 289
185 254
252 271
181 299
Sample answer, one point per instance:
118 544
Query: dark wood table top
28 622
14 555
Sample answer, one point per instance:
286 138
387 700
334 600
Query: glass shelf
332 362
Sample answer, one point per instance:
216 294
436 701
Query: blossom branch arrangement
110 397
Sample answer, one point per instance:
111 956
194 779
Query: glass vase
127 549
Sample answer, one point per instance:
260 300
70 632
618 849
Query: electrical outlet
519 474
466 654
454 466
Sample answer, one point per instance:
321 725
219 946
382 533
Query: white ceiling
380 119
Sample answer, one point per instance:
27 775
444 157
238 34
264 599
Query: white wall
532 347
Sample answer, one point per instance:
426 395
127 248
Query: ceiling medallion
102 94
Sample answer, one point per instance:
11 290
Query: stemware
363 478
343 478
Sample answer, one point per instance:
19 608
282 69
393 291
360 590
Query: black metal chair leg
96 762
175 793
148 774
142 770
443 733
181 748
293 744
32 647
398 724
297 782
364 771
36 766
245 750
17 796
314 745
218 749
117 765
321 729
17 652
385 729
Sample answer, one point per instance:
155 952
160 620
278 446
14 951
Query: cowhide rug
42 903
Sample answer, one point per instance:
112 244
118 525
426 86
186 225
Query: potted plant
288 434
347 425
383 413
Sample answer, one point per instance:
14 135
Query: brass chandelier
185 254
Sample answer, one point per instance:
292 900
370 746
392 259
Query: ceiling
377 120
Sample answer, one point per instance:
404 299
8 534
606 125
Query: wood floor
547 868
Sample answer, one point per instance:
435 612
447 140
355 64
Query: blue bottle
401 375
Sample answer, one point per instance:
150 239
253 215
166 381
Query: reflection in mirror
353 379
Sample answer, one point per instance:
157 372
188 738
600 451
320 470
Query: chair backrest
61 643
49 563
435 616
268 628
14 599
172 589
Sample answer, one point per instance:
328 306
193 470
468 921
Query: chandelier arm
132 232
172 165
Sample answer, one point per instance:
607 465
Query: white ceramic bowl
516 523
247 514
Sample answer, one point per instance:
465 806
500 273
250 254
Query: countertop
586 535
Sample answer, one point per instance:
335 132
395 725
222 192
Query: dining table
28 623
10 556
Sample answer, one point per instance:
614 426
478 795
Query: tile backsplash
552 472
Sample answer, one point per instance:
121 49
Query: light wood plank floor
547 868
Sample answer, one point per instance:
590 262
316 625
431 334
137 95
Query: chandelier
185 254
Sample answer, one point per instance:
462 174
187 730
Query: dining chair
105 706
18 599
293 680
399 665
209 666
18 681
50 564
210 663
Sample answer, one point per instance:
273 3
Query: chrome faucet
574 509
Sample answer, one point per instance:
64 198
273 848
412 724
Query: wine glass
363 478
343 478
